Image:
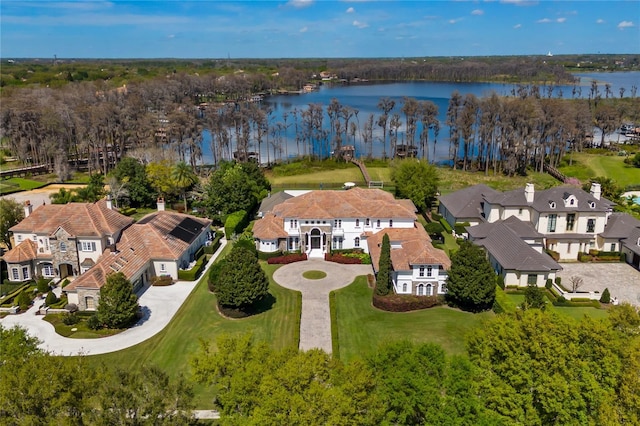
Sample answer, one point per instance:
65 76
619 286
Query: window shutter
93 246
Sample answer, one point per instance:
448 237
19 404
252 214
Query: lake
365 97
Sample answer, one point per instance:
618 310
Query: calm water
365 97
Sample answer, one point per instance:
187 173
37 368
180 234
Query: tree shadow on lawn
260 306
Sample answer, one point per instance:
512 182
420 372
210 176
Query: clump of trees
471 284
240 283
416 180
118 306
11 213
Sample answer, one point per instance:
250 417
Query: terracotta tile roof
78 219
150 239
354 203
270 227
416 248
26 250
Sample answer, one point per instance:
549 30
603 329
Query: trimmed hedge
128 211
193 273
576 303
162 281
287 258
554 254
404 303
446 225
266 256
460 227
340 258
9 297
235 223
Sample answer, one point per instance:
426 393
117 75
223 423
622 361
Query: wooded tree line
92 125
530 368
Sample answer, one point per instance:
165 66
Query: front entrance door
65 270
315 239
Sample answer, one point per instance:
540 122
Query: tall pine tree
383 280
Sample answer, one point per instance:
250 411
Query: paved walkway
159 305
315 324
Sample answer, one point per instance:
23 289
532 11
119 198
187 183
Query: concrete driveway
315 323
622 280
159 305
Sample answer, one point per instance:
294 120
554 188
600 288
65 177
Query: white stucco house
568 218
317 222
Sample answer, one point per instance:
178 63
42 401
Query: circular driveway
315 322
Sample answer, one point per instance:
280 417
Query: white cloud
455 21
625 24
477 12
304 29
299 4
351 10
561 20
516 26
520 2
171 36
360 25
543 21
600 21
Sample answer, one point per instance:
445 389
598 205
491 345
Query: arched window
429 290
357 223
63 246
378 223
356 242
420 290
390 223
366 222
404 287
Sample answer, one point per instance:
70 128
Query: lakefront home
318 222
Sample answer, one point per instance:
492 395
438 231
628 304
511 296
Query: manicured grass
81 329
198 319
339 176
588 165
17 183
453 180
314 275
362 328
571 312
380 173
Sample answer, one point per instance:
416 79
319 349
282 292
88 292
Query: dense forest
91 123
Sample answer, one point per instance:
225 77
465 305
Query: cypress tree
383 280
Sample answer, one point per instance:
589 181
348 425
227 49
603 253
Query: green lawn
339 176
453 180
198 319
17 183
314 275
362 328
77 331
587 165
571 312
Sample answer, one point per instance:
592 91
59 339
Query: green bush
70 318
584 257
266 256
10 298
214 274
434 228
93 322
554 254
42 284
460 227
162 281
549 284
606 296
235 223
128 211
23 300
51 299
559 280
64 283
500 281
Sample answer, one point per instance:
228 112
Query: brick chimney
28 208
596 190
160 204
529 192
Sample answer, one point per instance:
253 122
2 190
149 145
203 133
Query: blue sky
315 28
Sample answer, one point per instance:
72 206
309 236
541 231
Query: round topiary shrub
23 301
606 296
51 299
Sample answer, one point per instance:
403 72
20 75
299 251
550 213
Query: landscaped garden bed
77 326
287 258
405 302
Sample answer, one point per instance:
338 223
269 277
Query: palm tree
184 178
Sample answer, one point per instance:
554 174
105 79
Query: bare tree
576 282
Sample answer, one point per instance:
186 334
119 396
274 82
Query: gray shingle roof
267 205
620 225
524 230
512 252
467 202
631 242
559 194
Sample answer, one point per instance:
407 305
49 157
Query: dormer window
552 204
572 202
592 205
